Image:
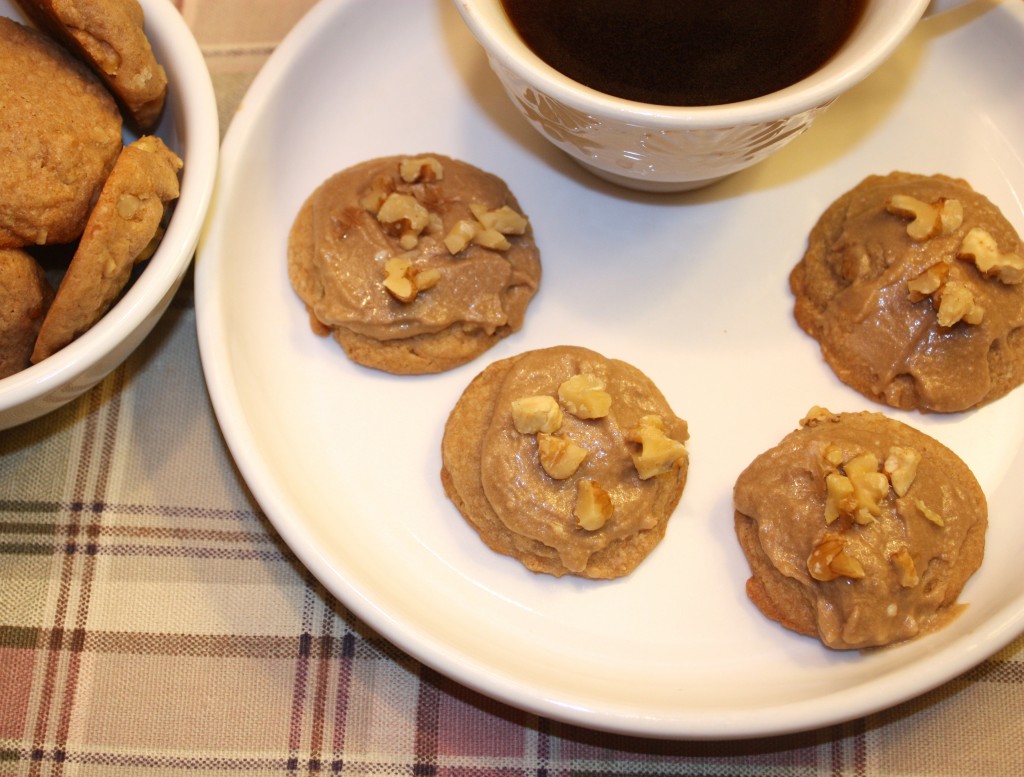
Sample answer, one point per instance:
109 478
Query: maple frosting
901 308
340 245
518 481
859 529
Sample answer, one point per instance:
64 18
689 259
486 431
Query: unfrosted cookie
568 461
414 264
60 132
859 530
126 219
913 287
109 36
25 294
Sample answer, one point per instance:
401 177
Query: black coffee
685 52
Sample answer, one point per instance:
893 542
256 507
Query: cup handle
935 7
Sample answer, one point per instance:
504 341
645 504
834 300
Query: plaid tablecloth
151 621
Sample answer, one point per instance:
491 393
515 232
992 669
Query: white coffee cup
665 148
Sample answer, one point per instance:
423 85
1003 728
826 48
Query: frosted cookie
912 285
25 294
109 36
568 461
413 264
859 530
60 132
121 228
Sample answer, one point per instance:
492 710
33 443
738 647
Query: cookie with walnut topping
568 461
109 36
913 286
414 264
859 530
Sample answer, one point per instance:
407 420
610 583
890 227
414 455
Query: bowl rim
197 134
487 20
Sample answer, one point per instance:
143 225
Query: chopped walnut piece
833 455
928 282
492 239
951 216
840 497
128 205
929 220
658 452
845 565
398 279
460 236
829 560
406 216
374 197
981 248
904 564
929 513
584 396
956 303
488 230
901 467
559 456
869 485
824 458
403 281
424 169
818 415
427 278
536 414
503 219
593 505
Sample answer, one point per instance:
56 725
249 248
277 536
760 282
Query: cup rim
487 20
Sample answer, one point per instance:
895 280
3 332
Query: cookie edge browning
421 354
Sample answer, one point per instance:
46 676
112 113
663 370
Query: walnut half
981 248
928 219
953 300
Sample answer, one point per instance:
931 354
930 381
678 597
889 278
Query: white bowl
190 127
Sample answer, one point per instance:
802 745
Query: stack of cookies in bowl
101 103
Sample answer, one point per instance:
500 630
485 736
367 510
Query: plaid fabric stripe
153 628
147 628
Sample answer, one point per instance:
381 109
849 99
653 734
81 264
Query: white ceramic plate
690 288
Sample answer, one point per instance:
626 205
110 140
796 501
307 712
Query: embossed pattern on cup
651 158
672 148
